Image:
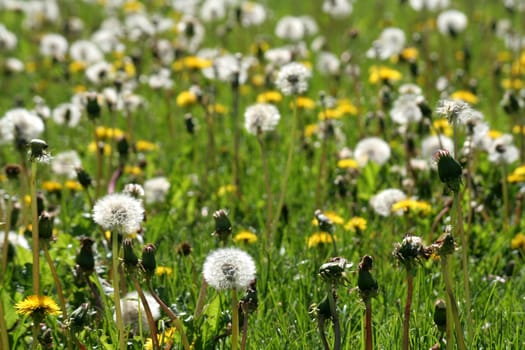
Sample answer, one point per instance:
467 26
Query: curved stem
60 292
116 291
406 320
200 300
176 321
149 316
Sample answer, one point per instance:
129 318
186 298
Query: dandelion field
339 174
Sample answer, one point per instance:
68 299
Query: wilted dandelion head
410 251
133 309
229 268
118 212
292 78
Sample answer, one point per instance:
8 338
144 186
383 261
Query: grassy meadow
365 158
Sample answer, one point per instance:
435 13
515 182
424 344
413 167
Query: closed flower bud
333 271
449 170
45 226
38 150
79 318
325 224
148 259
184 249
129 257
93 107
367 284
123 147
223 226
83 178
85 259
440 315
12 171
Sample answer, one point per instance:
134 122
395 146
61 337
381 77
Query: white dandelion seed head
292 78
261 117
382 202
328 63
502 150
134 190
430 5
54 45
229 268
252 13
20 123
391 42
433 143
8 40
372 149
156 189
85 51
67 114
133 312
66 163
213 10
15 239
406 110
338 8
454 110
118 212
452 22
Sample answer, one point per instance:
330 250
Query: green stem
235 319
60 292
287 170
116 291
320 324
34 231
244 330
452 305
3 327
505 190
7 228
200 301
149 316
406 319
176 321
236 139
36 331
269 197
464 261
335 319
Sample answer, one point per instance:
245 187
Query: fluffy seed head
118 212
229 268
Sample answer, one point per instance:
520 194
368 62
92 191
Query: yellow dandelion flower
145 146
330 113
51 186
494 134
186 98
218 109
516 129
224 190
512 84
443 127
27 200
30 67
319 238
92 148
269 97
73 185
465 96
133 7
245 237
191 63
164 338
345 107
332 216
163 270
412 205
258 80
518 242
37 305
518 175
347 163
3 178
259 47
504 56
132 170
310 130
304 103
383 74
76 67
410 54
79 89
356 223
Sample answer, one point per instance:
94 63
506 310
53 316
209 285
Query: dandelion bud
12 171
510 103
148 259
365 282
184 249
449 169
129 257
123 147
85 259
223 226
79 318
92 106
45 225
440 314
190 123
83 178
37 149
410 251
